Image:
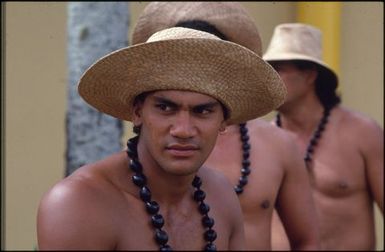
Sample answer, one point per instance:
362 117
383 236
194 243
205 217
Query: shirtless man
158 195
277 172
343 149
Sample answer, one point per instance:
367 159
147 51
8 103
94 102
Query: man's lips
182 150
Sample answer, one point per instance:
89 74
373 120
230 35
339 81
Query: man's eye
202 111
164 107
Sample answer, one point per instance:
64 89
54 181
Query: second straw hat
231 18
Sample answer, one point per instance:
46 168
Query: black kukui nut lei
316 136
245 170
152 207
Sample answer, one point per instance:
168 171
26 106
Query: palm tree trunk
94 29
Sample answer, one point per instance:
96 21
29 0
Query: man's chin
183 167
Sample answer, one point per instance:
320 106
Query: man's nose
183 126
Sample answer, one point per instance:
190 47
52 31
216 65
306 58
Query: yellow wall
362 58
36 86
325 16
35 100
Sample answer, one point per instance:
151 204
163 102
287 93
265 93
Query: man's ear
222 127
312 75
137 114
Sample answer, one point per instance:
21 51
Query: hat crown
295 39
180 33
230 18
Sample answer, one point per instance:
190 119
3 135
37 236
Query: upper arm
237 239
295 204
69 218
231 213
372 142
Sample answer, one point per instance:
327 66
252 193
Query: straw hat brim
247 85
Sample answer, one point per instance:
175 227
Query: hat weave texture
231 18
184 59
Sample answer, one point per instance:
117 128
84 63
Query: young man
261 161
343 149
177 90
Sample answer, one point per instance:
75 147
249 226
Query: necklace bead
199 195
139 180
243 180
152 207
197 182
316 135
161 237
210 235
157 221
210 247
203 208
135 166
145 193
207 221
165 248
245 170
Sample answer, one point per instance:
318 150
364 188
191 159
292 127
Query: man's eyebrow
206 105
164 100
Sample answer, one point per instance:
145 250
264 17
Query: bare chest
263 182
183 227
337 168
182 233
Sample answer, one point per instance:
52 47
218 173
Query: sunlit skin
278 179
182 128
346 173
98 207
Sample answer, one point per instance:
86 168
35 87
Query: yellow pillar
326 17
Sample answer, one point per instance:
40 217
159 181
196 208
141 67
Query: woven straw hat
296 41
184 59
230 18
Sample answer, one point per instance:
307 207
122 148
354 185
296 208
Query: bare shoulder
86 186
218 186
354 123
269 133
216 179
355 120
277 142
78 211
75 190
368 134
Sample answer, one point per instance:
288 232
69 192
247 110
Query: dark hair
325 84
139 99
201 25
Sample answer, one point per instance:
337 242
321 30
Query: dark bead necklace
245 170
316 136
152 207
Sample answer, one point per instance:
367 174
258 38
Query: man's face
178 129
298 82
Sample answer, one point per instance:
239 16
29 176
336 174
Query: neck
302 118
152 207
